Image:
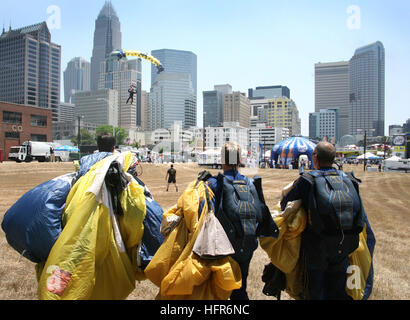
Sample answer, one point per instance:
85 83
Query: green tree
120 134
104 130
87 139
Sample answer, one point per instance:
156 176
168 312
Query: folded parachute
284 252
152 238
95 254
33 224
176 269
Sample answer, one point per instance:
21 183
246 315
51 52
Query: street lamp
203 133
365 145
79 117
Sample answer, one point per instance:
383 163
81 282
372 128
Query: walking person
241 210
171 177
336 217
52 155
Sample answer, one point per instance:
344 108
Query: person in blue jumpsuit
326 277
231 160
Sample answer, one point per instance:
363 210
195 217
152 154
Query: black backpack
242 212
335 212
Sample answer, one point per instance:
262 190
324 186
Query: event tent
394 158
290 149
369 156
67 148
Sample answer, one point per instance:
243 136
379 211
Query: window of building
38 137
38 121
12 117
12 135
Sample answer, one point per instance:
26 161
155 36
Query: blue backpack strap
267 227
314 221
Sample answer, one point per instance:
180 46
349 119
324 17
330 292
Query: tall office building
98 106
30 67
367 90
332 91
324 124
107 38
144 110
259 109
176 61
216 137
76 77
283 113
237 109
267 136
119 75
66 112
172 99
269 92
213 105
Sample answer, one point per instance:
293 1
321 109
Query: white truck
211 158
33 150
397 164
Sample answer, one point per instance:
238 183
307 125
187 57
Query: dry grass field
386 199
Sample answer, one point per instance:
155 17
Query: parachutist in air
132 90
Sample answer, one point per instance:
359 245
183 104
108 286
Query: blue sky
242 42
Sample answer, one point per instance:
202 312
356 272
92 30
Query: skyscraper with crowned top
107 38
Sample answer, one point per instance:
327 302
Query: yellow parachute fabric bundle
284 252
181 274
95 255
361 258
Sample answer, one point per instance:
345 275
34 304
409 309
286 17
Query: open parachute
133 53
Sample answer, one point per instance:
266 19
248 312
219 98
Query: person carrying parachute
211 235
324 233
106 229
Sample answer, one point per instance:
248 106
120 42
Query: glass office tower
367 90
213 102
76 77
332 91
172 99
269 92
176 61
107 38
30 67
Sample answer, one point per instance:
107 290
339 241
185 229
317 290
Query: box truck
33 150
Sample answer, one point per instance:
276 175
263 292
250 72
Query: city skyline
213 32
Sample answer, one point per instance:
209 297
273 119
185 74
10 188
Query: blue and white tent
67 148
291 149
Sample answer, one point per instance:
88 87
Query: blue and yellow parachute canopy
120 54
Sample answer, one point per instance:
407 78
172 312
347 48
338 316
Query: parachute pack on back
337 203
335 214
33 224
243 214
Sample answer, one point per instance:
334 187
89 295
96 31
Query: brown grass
386 199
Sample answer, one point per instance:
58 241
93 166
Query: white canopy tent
368 155
394 158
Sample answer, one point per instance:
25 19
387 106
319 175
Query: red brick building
20 123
